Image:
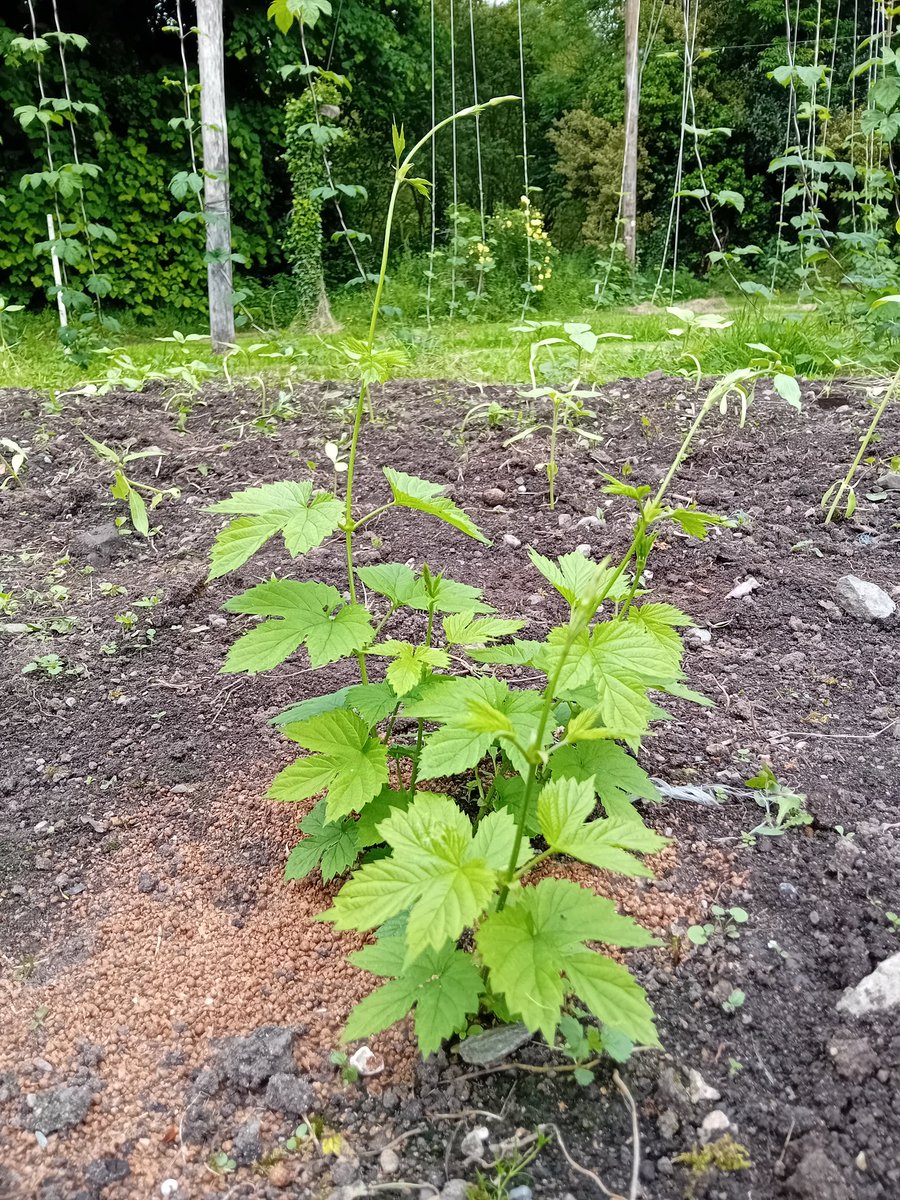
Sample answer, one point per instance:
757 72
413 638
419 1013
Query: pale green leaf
611 993
411 492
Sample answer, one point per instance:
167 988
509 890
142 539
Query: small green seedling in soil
50 665
125 487
723 1155
893 920
735 1066
13 460
111 589
221 1163
349 1073
784 809
508 1169
734 1002
842 494
299 1138
725 921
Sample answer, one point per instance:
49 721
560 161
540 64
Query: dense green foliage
744 88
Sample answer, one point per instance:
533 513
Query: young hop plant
467 920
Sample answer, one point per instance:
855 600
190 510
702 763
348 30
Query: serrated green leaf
411 492
564 806
529 946
373 701
494 840
518 653
237 542
611 770
347 761
435 871
451 750
633 652
443 987
331 845
465 629
612 994
409 662
304 519
376 811
578 579
309 614
394 580
312 707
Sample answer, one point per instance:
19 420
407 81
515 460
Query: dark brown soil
142 913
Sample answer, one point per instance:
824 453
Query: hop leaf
304 519
442 986
310 614
535 954
331 845
347 761
438 871
564 807
409 663
612 773
411 492
404 589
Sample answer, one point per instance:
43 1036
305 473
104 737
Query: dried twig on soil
588 1174
635 1134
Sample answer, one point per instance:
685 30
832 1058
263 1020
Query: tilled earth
170 1008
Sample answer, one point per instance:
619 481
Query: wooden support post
214 122
632 104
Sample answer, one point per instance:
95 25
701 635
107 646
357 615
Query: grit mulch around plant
168 1001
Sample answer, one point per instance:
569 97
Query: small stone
890 481
104 1171
584 548
512 540
699 1090
289 1094
878 992
863 600
280 1175
668 1123
591 522
455 1189
472 1144
168 1187
563 520
665 1166
389 1161
817 1178
147 883
787 891
701 636
247 1147
251 1061
493 496
61 1107
43 863
861 1162
714 1124
853 1058
522 1192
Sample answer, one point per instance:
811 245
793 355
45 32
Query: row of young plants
449 834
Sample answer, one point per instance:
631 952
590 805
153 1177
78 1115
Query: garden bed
143 917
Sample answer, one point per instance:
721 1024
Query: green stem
552 469
420 728
863 446
400 173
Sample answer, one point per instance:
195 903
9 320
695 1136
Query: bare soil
143 916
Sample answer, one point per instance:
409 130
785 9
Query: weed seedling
349 1073
124 487
13 460
784 809
734 1002
726 921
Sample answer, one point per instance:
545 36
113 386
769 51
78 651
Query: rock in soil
250 1061
890 480
878 992
853 1058
817 1178
247 1146
289 1094
61 1107
863 600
